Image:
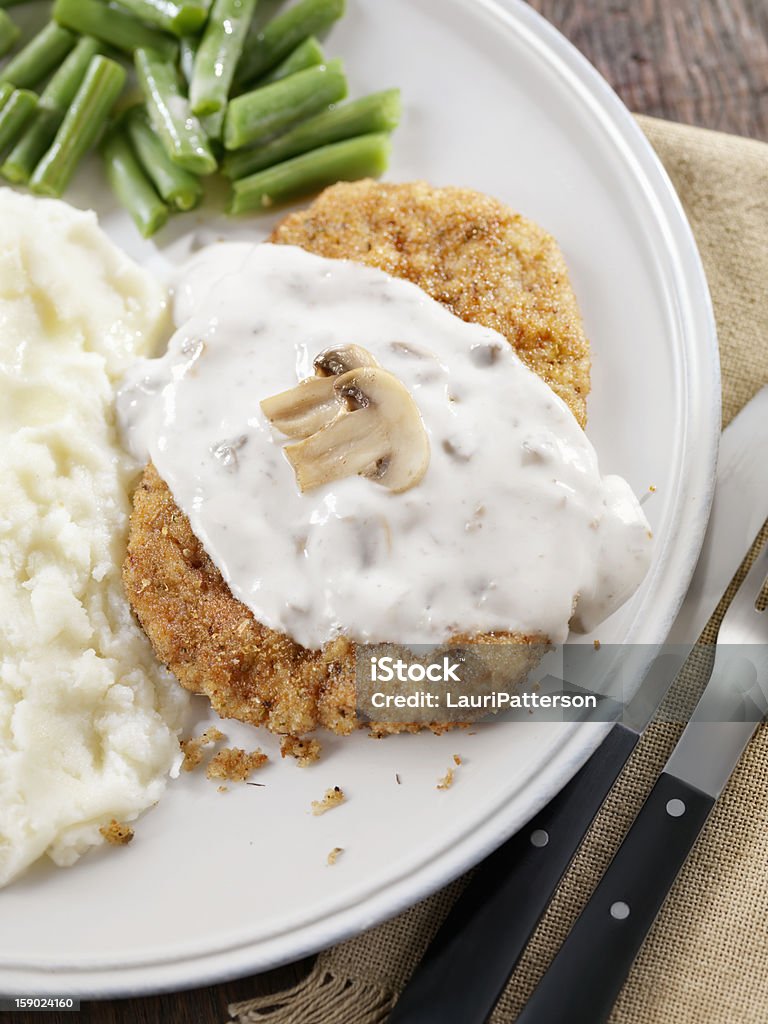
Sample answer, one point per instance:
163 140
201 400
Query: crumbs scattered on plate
334 855
305 751
234 764
447 780
117 833
194 746
230 764
332 798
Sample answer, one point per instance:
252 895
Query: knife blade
469 961
586 975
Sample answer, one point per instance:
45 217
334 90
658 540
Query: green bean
218 54
56 97
179 130
176 186
6 91
306 55
265 112
181 17
213 124
131 185
379 112
39 57
20 163
103 83
363 157
9 34
118 28
64 83
17 110
187 51
282 34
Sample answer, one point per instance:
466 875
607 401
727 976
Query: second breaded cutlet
487 265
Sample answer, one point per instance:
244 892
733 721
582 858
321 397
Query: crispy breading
468 251
486 264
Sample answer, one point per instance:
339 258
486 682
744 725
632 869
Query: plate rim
676 565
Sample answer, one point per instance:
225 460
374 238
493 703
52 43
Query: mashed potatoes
88 720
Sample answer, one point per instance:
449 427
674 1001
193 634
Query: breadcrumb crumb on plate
234 764
334 855
193 747
305 752
332 798
447 780
117 833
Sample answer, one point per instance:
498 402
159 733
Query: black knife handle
473 954
584 979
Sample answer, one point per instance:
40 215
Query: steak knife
468 963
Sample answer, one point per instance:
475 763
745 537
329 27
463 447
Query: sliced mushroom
304 409
333 362
312 404
377 432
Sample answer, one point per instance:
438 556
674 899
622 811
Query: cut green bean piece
282 34
61 90
16 112
218 54
175 185
179 130
306 55
187 51
39 57
103 83
363 157
118 28
181 17
259 115
131 185
213 124
65 82
379 112
18 167
9 34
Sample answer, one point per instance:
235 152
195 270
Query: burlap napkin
706 959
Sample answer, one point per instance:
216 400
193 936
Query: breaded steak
468 251
487 265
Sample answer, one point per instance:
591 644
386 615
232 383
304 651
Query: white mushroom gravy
510 527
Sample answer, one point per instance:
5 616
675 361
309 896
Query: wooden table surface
702 62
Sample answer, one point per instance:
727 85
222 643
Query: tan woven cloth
706 959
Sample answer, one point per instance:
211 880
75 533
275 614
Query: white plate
216 886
